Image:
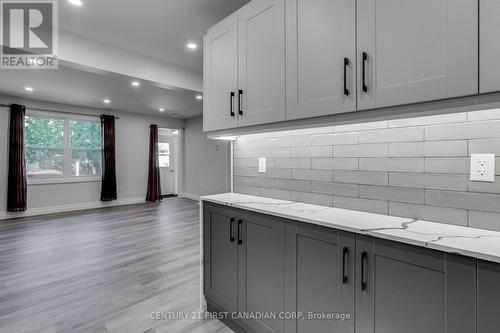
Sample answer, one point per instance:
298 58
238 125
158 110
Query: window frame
68 156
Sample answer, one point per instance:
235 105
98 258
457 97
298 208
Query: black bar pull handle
346 64
240 240
365 59
364 261
240 103
345 253
231 229
231 103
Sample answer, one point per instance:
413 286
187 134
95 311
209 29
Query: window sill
46 181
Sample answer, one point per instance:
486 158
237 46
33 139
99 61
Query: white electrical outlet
262 165
482 168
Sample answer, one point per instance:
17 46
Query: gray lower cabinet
244 266
259 264
488 297
319 278
220 257
403 288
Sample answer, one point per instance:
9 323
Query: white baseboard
71 208
190 196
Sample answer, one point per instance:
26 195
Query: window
62 148
164 154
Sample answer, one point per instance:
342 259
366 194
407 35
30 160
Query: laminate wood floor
104 270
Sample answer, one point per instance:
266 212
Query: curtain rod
49 110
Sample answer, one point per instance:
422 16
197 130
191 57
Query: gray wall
132 140
413 167
206 162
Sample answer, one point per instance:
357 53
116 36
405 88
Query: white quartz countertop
477 243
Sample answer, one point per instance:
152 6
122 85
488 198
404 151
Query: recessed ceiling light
192 45
28 89
161 109
107 101
76 2
199 97
136 83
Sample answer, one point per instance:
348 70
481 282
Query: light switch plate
482 168
262 165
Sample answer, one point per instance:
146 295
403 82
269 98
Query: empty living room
249 166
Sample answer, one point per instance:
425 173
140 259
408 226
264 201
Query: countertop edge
430 245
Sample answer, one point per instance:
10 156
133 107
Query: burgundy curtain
108 187
154 190
17 188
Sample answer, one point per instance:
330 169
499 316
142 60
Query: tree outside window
62 148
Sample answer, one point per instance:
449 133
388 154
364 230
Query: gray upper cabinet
261 72
321 63
488 297
319 277
220 256
261 270
220 75
401 288
412 51
489 47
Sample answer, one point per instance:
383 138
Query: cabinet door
320 57
402 288
489 48
416 50
261 269
319 277
220 257
488 297
261 62
220 80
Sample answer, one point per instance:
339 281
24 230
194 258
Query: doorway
168 156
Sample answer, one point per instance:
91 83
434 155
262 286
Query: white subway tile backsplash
313 198
275 193
293 141
483 115
294 185
397 194
365 150
318 151
347 190
335 163
447 165
334 139
393 135
479 130
484 220
360 127
363 205
260 181
361 177
312 175
392 164
455 148
415 167
430 120
429 181
429 213
295 163
468 200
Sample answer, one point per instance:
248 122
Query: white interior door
166 154
412 51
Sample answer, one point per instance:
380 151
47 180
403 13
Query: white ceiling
156 28
75 86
